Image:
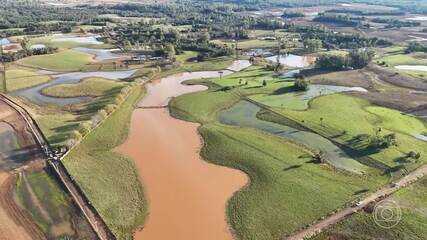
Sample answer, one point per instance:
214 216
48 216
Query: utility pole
3 70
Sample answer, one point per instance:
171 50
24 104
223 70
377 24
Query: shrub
301 84
84 127
110 108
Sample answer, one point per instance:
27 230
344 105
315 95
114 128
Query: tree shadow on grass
283 90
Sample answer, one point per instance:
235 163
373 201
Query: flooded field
35 95
159 93
32 204
412 67
78 39
292 60
100 54
244 114
299 100
17 146
186 195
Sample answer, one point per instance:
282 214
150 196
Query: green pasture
19 77
108 179
92 87
405 59
57 126
67 60
246 114
348 118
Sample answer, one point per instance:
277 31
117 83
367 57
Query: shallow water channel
299 100
412 67
34 94
244 114
100 54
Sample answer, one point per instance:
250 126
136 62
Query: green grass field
67 60
413 224
108 179
338 110
92 87
57 127
19 77
286 192
405 59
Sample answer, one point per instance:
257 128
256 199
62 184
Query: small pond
412 67
299 100
100 54
418 18
292 60
37 46
11 153
78 39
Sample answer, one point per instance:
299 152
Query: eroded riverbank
187 196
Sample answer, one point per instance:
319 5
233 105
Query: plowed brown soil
187 196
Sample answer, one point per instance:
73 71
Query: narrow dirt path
187 196
341 215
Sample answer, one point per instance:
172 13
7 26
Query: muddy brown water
187 196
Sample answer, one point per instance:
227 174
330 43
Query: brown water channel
187 196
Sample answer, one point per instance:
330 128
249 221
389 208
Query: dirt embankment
187 196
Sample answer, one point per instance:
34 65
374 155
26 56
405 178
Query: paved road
337 217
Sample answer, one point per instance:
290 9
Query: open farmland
208 119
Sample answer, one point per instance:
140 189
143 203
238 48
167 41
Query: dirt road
335 218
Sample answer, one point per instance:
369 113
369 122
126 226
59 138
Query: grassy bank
109 179
92 87
287 191
18 78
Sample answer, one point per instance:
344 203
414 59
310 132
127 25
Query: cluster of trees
341 19
395 23
85 127
336 40
312 45
293 14
21 14
379 140
168 42
355 59
301 84
416 47
13 56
